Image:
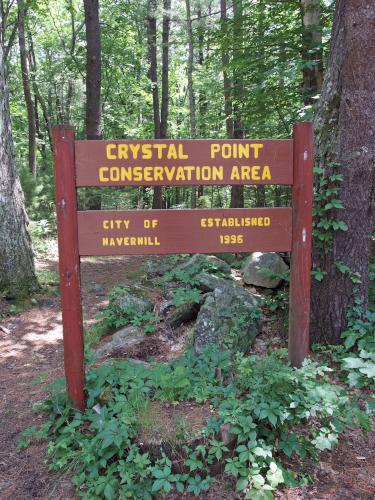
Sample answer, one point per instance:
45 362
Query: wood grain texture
69 263
300 263
276 154
184 231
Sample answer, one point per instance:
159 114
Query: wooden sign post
181 163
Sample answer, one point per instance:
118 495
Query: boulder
134 299
200 262
264 269
183 313
126 337
158 266
229 318
208 282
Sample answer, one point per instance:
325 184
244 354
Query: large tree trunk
17 274
26 88
93 70
93 83
345 131
312 52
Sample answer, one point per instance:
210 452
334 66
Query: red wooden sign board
181 162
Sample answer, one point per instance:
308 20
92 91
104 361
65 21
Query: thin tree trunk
312 52
345 131
93 70
153 71
190 68
17 273
157 201
26 88
165 69
236 194
228 111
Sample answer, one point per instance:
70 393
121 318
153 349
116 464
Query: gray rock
99 289
126 337
183 313
158 266
230 318
135 299
204 262
208 282
262 269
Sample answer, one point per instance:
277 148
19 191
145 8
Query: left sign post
69 263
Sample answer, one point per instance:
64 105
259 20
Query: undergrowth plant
272 411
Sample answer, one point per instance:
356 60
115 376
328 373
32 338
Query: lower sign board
184 231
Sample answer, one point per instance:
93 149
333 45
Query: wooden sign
181 163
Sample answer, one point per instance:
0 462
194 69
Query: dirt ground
31 351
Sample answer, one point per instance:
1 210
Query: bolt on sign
181 163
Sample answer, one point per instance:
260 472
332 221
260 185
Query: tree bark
153 71
312 52
345 131
165 69
26 88
236 194
93 70
17 274
190 68
228 111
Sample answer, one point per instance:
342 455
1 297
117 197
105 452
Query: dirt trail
33 350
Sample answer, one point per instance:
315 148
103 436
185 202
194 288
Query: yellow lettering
245 173
217 173
159 148
114 174
104 242
256 173
267 221
134 148
137 174
243 150
147 174
109 148
126 174
146 151
122 151
256 148
226 151
215 148
235 175
172 153
203 222
103 170
266 174
181 154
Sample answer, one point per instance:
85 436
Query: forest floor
31 357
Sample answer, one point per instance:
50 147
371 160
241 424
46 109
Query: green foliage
114 317
272 411
186 295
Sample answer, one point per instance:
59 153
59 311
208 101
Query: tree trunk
153 71
17 275
228 111
190 67
93 70
312 52
345 131
157 201
26 88
165 69
236 194
93 83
